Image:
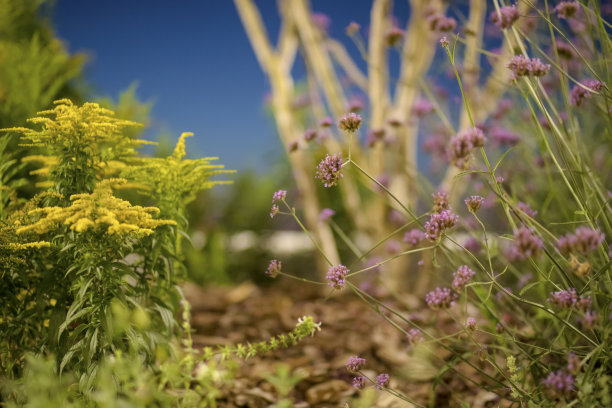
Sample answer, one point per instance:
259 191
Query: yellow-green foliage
90 129
99 211
172 181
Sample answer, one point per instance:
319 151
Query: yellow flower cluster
99 211
88 128
173 181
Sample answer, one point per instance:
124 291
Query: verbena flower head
578 94
274 268
337 276
462 277
329 170
474 203
440 23
359 382
440 298
355 364
583 240
589 320
526 208
382 381
526 244
414 336
473 245
559 384
504 137
573 363
422 107
279 195
274 210
326 122
525 66
326 214
394 36
352 28
440 200
414 237
566 9
439 223
569 298
350 122
470 324
506 17
565 50
462 145
310 135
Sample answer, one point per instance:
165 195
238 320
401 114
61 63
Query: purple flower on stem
438 224
462 277
440 200
382 381
474 203
355 364
274 268
422 107
414 336
569 298
504 137
352 28
329 170
440 298
394 35
326 214
462 145
566 9
310 135
589 320
573 363
559 384
525 66
350 122
578 94
414 237
473 245
565 50
359 382
326 122
439 22
337 276
275 210
470 324
506 17
583 240
526 244
321 21
526 208
280 195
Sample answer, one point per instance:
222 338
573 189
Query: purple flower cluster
326 122
524 66
566 9
440 201
565 50
326 214
474 203
438 223
440 298
589 320
470 324
382 381
504 137
329 170
280 195
526 244
359 382
414 237
526 208
274 268
274 210
439 22
337 276
569 298
394 35
422 107
350 122
578 94
462 145
414 336
310 135
559 384
355 364
583 240
473 245
462 277
506 17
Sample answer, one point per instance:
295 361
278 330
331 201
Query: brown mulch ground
247 313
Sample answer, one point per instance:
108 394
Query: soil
247 313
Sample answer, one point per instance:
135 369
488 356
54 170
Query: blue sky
193 59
